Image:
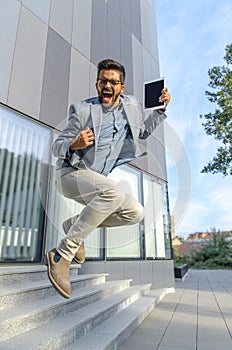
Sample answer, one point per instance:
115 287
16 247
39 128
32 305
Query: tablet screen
152 93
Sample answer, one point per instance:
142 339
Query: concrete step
99 315
67 327
24 274
111 334
36 313
15 294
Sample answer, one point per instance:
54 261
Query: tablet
152 92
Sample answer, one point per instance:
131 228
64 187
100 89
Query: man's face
109 87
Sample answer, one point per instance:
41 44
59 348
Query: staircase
100 314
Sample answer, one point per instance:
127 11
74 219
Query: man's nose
108 83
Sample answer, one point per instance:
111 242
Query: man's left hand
165 97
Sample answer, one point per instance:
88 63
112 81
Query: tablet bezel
161 106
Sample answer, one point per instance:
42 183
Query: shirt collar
118 108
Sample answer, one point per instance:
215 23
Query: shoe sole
79 261
57 287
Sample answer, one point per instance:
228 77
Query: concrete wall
159 273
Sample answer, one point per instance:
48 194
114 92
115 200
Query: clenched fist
84 139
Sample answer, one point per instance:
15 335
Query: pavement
198 316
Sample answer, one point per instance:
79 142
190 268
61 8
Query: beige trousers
106 204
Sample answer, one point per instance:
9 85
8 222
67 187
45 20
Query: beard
108 97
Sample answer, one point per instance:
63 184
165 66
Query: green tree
217 253
219 123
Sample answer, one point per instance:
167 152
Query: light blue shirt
114 129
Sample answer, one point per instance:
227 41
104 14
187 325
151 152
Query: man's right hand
84 139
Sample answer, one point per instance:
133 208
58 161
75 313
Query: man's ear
122 88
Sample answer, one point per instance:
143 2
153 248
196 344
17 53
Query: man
102 133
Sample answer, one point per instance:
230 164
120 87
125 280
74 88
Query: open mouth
107 96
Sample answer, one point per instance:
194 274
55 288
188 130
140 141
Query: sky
192 35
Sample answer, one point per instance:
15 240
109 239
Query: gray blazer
88 114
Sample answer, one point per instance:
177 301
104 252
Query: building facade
49 53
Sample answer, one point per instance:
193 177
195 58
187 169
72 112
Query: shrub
216 254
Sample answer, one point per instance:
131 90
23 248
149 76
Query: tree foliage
216 253
219 123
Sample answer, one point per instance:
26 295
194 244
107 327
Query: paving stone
197 316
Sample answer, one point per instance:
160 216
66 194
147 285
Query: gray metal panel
113 35
148 30
79 77
153 34
81 36
155 69
126 56
156 154
99 31
152 4
9 16
138 73
54 101
115 5
28 65
61 18
155 161
125 12
92 79
147 65
141 163
146 24
40 8
136 19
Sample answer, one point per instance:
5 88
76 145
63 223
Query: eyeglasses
111 81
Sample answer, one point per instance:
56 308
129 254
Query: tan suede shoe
80 254
58 274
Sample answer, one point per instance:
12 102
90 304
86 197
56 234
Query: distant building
173 227
197 235
204 235
196 241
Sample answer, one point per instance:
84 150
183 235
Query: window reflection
21 210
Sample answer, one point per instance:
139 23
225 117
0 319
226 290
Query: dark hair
111 64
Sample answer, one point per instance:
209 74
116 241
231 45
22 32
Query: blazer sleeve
61 145
150 123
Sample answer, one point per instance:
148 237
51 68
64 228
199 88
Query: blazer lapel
132 116
96 114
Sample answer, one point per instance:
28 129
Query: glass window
159 224
124 241
149 217
167 221
21 209
156 220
